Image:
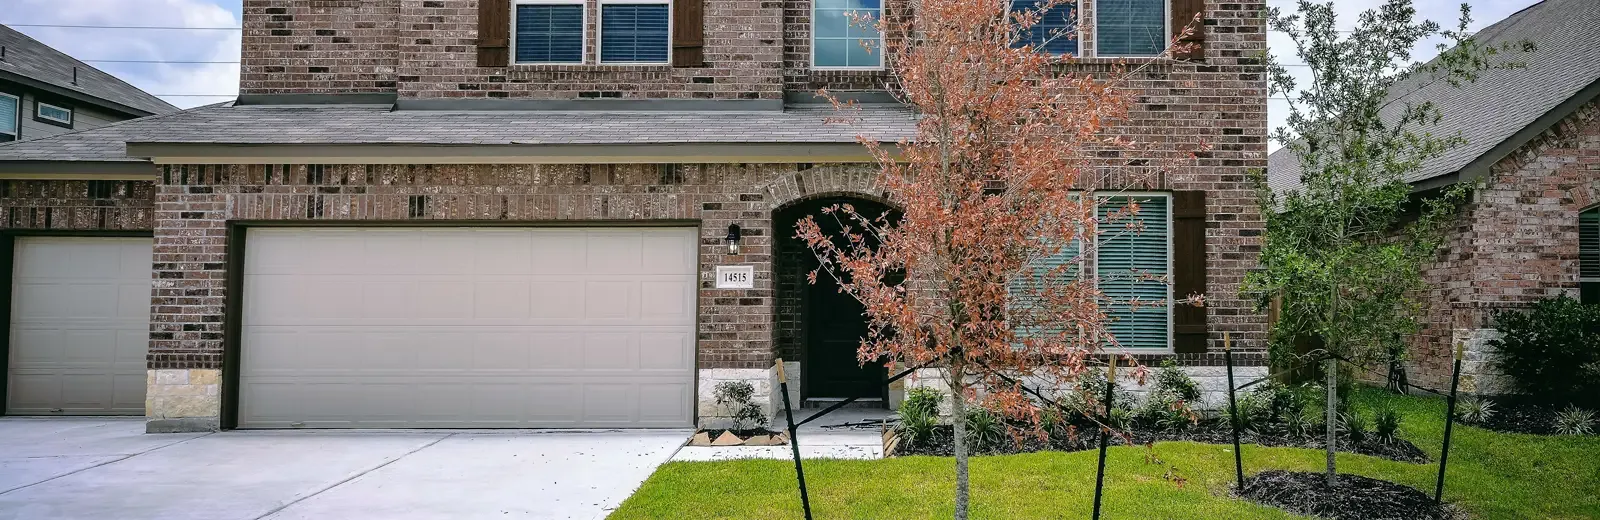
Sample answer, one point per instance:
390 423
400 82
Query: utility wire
150 27
164 61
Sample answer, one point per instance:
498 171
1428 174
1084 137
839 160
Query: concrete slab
37 449
233 475
549 475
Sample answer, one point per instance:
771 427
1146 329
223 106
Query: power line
194 95
151 27
164 61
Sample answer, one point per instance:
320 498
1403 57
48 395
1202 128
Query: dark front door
834 328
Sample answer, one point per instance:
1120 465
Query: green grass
1491 475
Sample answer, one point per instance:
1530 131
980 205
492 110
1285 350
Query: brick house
513 213
1532 230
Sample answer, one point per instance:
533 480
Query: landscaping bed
940 443
1353 496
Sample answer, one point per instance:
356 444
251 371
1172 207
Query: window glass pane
1130 27
634 33
1126 260
838 39
8 115
55 113
1056 32
550 33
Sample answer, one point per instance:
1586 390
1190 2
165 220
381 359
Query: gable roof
30 62
1504 109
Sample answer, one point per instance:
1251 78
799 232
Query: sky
194 84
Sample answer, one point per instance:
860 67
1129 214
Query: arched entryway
816 324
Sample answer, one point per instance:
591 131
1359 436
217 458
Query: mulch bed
1517 414
1355 497
1398 450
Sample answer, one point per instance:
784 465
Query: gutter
409 153
78 170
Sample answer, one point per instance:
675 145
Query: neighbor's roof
101 144
28 59
1503 106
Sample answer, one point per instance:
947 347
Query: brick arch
1585 197
854 180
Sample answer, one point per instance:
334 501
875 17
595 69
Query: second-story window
633 31
549 31
1057 30
10 109
1130 28
839 41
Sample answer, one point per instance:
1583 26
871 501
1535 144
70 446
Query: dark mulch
1355 497
742 434
1398 449
1519 414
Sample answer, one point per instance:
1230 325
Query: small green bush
1575 421
1281 402
919 416
736 395
922 401
1174 382
1475 409
1356 427
1386 425
985 430
1550 352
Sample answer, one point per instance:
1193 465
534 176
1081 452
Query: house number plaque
736 277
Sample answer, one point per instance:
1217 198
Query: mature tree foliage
1000 208
1345 249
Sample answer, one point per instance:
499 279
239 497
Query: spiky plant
1575 421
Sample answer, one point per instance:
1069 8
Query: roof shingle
31 59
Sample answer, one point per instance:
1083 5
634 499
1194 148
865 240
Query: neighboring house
509 213
44 92
1533 230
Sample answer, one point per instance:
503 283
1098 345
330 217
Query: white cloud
152 45
1445 12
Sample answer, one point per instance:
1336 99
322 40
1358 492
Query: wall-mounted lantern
733 239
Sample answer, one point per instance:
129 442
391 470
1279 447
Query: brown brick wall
76 205
319 46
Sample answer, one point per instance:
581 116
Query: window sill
589 67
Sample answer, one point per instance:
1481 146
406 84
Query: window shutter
494 33
1589 245
1183 12
1189 269
688 33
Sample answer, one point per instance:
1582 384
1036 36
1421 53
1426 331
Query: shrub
1575 421
919 416
1279 401
1475 409
1254 410
1549 351
1173 381
1163 411
922 401
1300 424
735 395
985 430
1356 427
1386 424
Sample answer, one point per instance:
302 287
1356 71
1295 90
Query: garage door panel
511 328
79 325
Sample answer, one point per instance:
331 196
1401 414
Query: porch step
824 402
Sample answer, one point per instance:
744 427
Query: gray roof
224 123
1503 105
380 124
30 59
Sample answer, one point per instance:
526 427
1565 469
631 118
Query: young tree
999 209
1345 249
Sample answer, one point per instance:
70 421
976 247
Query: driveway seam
278 509
113 461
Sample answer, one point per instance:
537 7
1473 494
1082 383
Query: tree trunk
1331 371
958 411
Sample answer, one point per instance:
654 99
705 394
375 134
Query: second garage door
468 328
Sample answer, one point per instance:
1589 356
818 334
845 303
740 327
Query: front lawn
1491 475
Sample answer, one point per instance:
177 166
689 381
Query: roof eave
77 170
1481 166
421 153
81 97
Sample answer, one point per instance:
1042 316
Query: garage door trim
233 277
8 251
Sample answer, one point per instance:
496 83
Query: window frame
583 36
1077 6
16 133
811 39
1166 23
599 40
1171 330
38 114
1582 281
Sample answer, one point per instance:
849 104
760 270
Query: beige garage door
468 328
80 326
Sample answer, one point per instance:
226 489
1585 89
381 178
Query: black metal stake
1233 410
1105 433
1449 424
794 441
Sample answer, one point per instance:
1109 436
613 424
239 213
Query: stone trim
180 400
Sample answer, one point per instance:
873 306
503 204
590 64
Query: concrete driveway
103 469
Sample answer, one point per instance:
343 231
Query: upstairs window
1589 256
1057 30
1130 28
56 115
549 31
635 32
10 108
840 42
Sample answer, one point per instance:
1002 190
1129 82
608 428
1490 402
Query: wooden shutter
1183 13
1188 269
494 33
688 33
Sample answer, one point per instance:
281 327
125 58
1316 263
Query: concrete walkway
102 469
